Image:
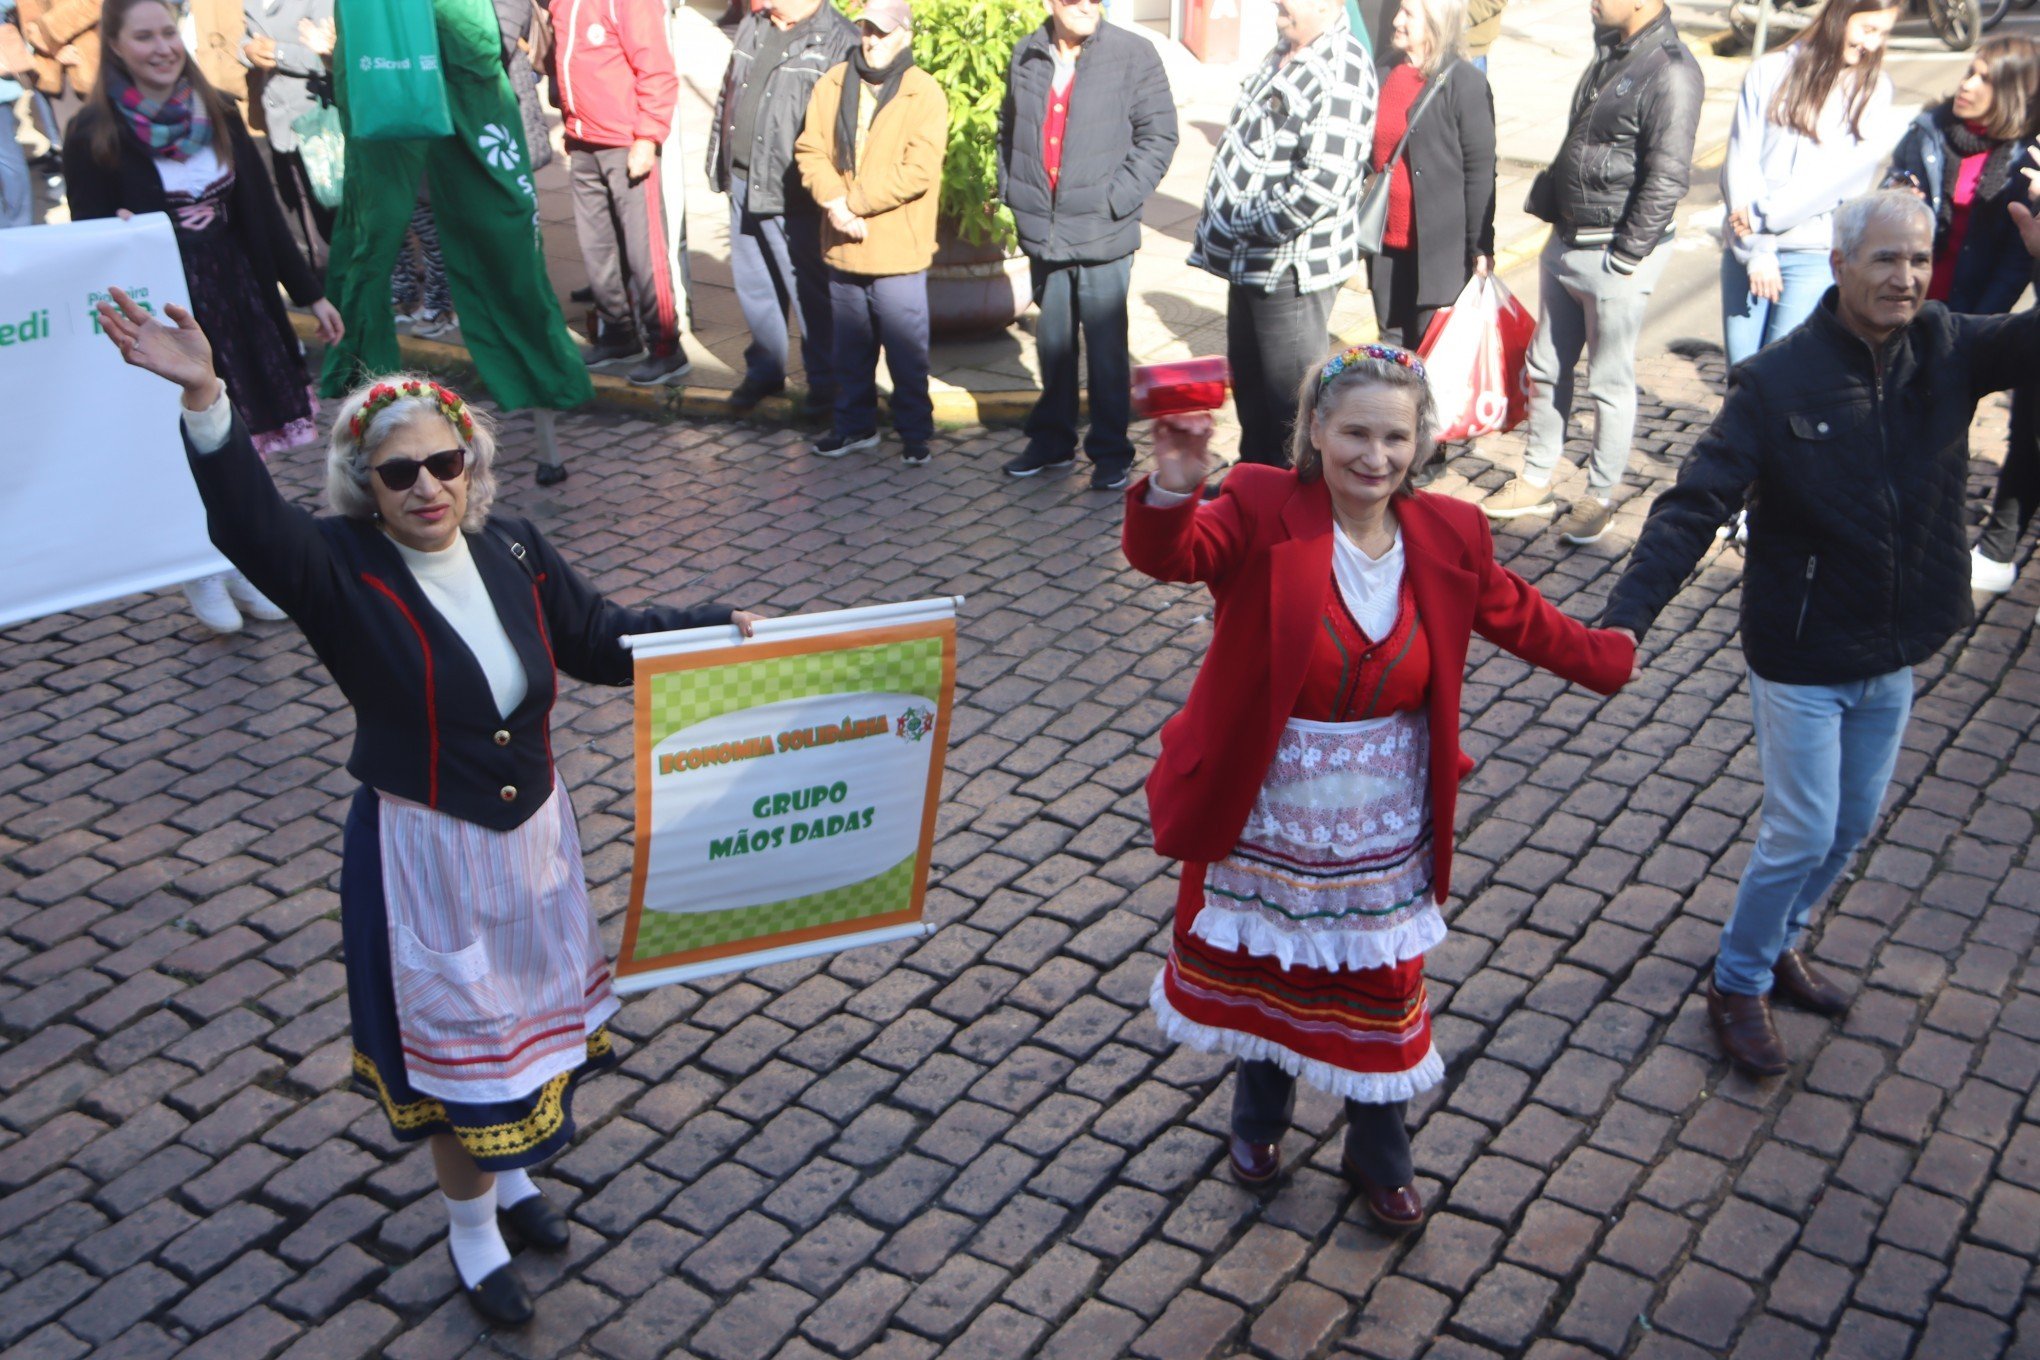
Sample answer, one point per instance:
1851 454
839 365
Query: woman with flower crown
1308 784
477 984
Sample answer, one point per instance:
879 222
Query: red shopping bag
1473 354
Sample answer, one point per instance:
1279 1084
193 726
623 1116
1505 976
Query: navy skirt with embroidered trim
500 1135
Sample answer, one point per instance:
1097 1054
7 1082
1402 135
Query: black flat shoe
549 474
540 1225
501 1298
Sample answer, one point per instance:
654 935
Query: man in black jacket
1086 132
1849 439
775 228
1609 195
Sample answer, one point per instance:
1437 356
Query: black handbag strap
517 550
1431 88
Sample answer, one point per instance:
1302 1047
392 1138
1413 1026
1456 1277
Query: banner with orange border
786 787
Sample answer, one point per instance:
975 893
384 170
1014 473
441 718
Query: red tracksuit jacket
613 71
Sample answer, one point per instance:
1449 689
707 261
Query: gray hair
1898 207
1444 33
1318 394
348 492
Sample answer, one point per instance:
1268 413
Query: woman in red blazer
1308 785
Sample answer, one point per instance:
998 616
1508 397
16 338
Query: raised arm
1171 532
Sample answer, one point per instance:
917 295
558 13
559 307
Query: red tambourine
1185 385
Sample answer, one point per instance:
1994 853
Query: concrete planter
974 290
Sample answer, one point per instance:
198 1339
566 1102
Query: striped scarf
175 128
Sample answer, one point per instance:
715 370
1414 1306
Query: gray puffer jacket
1117 145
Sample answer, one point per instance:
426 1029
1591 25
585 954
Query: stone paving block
1399 1320
1097 1331
1195 1326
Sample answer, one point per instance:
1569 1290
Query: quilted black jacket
1627 158
772 184
1854 465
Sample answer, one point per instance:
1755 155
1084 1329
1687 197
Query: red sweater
613 70
1399 90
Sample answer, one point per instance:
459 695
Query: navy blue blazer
425 723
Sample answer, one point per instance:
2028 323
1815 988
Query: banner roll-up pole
786 787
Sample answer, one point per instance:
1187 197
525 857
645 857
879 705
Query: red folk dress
1304 946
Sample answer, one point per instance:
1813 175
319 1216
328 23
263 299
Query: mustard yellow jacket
893 188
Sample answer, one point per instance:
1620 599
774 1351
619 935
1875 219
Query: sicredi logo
387 64
36 327
138 293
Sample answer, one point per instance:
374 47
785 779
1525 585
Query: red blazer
1264 547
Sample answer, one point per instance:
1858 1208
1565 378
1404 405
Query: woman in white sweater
1810 130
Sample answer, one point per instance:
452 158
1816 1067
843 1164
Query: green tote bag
388 59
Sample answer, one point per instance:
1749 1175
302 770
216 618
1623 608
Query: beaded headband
1345 359
384 394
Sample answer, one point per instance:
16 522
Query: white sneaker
252 602
1991 577
214 607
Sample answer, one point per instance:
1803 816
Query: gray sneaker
1586 521
1519 498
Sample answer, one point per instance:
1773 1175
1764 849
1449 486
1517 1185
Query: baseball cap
887 16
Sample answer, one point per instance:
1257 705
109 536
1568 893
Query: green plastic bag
387 59
323 147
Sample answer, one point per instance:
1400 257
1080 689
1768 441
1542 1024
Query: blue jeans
17 190
889 310
776 263
1748 323
1090 298
1827 752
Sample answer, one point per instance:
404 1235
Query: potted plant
979 279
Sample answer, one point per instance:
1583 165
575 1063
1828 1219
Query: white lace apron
495 959
1333 870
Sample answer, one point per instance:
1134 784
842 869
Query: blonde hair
348 459
1444 33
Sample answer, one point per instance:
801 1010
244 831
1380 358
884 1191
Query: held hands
1767 282
843 220
182 355
1183 457
1635 661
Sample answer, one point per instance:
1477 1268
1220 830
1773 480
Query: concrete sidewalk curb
955 408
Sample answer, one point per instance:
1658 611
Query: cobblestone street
978 1145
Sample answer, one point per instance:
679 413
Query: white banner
95 499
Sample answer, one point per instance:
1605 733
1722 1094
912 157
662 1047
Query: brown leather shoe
1742 1026
1254 1163
1397 1208
1794 979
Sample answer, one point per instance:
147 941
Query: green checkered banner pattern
785 788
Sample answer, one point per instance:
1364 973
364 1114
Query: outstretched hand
1183 457
179 352
2029 229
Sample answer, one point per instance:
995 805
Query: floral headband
384 394
1345 359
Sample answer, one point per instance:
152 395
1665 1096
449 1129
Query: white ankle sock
477 1243
513 1187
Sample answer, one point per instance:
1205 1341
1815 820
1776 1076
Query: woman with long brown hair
154 136
1964 156
1808 134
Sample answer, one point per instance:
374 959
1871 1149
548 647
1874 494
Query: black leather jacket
773 185
1855 466
1627 158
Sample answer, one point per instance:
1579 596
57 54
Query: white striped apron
495 956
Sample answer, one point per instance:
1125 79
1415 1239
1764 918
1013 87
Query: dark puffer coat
1855 465
1117 145
1627 158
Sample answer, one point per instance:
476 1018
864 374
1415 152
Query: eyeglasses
401 474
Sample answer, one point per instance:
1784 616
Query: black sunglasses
401 474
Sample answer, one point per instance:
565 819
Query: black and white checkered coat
1285 185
